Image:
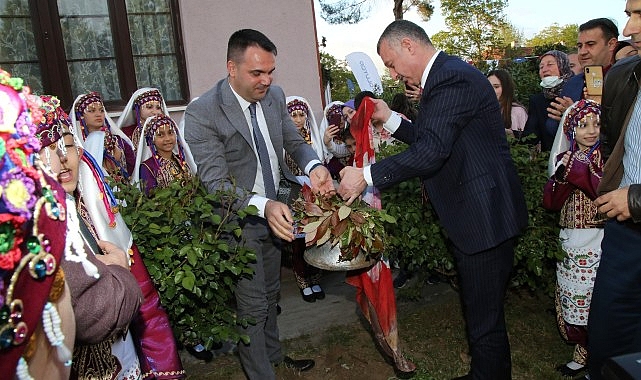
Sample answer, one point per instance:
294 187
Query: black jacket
619 94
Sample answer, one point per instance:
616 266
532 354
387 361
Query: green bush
419 244
184 240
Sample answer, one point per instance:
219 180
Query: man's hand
280 220
614 204
558 106
413 92
112 254
382 111
352 184
322 181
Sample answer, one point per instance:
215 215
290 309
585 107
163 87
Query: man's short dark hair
400 29
358 99
244 38
607 26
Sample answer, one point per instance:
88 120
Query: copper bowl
328 258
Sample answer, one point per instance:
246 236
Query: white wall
290 24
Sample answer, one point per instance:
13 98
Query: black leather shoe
301 365
319 295
566 371
464 377
204 354
308 298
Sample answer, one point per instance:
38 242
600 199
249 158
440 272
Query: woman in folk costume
330 129
108 299
143 104
150 330
375 291
577 168
307 276
37 327
101 138
162 155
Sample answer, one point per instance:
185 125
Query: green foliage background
185 237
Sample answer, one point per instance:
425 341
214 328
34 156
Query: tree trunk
398 9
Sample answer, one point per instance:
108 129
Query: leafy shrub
184 239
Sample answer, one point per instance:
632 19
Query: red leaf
312 209
307 193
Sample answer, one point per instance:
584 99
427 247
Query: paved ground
338 308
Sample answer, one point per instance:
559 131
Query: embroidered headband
53 121
85 101
336 109
154 125
148 96
297 105
577 113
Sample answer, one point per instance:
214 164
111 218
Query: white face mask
550 82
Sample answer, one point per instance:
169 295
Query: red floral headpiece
54 118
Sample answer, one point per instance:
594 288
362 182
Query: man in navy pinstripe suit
458 148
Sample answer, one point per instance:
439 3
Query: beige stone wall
207 25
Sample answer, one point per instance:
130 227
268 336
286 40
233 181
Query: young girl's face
350 143
165 140
64 164
94 116
348 114
299 117
496 84
149 109
587 132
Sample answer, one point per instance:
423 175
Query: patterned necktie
263 155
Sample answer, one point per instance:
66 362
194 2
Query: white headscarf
92 190
314 131
128 116
94 143
144 151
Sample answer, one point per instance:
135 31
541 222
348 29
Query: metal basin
328 258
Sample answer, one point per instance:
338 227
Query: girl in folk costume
106 143
330 129
307 276
107 301
162 158
162 155
150 330
572 188
375 291
37 327
143 104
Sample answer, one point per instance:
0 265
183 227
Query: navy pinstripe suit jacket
459 149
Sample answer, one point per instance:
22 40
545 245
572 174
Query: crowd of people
78 301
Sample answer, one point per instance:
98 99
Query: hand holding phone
593 80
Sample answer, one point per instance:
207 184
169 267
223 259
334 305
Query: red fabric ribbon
360 129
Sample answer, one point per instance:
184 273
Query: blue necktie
263 155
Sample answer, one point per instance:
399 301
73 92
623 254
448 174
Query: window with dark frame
69 47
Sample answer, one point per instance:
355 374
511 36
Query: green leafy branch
357 228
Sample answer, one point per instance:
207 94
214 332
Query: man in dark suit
458 148
237 132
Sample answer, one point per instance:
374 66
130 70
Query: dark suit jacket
219 139
459 149
538 122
